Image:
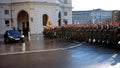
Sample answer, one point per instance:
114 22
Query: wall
3 26
35 11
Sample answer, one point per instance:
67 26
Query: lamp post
11 14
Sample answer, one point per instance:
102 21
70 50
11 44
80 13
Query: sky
95 4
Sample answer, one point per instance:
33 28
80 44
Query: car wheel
23 40
6 40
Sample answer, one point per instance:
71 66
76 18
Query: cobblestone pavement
57 54
34 44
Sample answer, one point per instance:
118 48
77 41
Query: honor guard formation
107 33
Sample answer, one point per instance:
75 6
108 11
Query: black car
13 35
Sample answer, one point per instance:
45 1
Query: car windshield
14 32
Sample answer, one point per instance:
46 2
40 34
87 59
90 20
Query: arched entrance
23 22
59 19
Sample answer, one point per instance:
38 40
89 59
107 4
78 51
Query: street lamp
11 14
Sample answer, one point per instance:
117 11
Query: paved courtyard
45 53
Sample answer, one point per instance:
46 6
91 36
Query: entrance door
25 28
23 22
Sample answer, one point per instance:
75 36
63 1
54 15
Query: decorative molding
36 3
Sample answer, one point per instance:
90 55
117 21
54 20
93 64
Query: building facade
33 15
81 17
116 16
92 16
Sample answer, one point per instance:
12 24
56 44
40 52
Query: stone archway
23 22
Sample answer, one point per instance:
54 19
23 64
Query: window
24 14
65 1
6 12
45 19
65 21
65 13
7 22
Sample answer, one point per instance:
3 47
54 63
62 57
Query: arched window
23 15
45 18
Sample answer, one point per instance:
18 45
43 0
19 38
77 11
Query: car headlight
22 36
10 37
118 42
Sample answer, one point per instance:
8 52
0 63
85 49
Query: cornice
35 3
5 4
